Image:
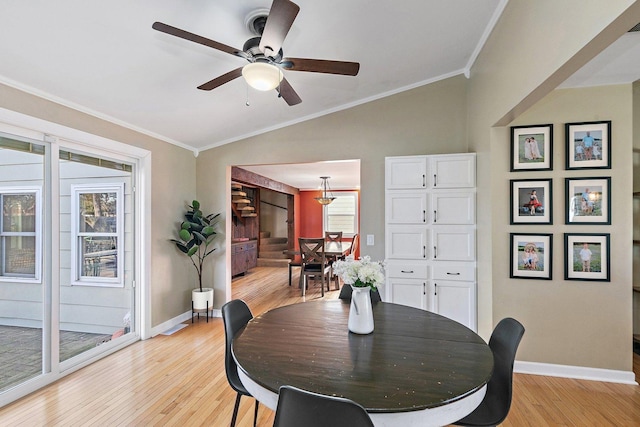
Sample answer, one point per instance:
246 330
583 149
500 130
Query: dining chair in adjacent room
314 262
333 236
354 246
235 314
297 408
495 406
295 262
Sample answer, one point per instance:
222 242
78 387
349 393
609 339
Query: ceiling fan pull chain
246 85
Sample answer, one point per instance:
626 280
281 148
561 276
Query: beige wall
564 318
427 120
501 87
173 184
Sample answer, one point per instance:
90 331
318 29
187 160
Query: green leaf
200 237
208 231
192 251
180 245
185 225
185 235
196 205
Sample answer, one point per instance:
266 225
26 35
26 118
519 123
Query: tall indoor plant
196 236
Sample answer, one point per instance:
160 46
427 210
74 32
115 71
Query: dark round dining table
416 368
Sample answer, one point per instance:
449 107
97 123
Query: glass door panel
22 288
96 260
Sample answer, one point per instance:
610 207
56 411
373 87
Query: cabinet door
409 292
406 242
405 172
406 207
451 243
453 171
453 207
456 300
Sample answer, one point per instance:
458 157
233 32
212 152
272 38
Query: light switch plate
370 240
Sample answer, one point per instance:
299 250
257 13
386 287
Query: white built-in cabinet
430 234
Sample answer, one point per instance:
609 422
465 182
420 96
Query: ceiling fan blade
168 29
286 91
279 21
219 81
321 66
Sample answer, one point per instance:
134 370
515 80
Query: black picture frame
597 267
531 201
531 256
588 201
594 153
538 156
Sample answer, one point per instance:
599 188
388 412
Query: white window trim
76 265
355 216
37 278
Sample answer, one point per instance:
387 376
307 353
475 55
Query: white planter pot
202 300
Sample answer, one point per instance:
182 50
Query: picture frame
531 256
588 145
593 263
531 201
532 148
588 200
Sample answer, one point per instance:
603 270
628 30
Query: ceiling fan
264 53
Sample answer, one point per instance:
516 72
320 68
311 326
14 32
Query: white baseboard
577 372
156 330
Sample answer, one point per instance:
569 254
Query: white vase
202 300
361 312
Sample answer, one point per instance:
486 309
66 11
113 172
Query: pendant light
325 200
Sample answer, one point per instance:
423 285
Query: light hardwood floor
180 380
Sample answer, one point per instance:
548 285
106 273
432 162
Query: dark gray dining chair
346 291
235 314
301 408
495 406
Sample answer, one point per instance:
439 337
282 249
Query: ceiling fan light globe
262 76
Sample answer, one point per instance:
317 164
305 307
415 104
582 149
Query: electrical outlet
370 240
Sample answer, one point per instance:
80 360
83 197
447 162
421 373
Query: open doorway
282 199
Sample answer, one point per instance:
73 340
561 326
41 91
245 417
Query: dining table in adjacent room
416 368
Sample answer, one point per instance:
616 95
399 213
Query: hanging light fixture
262 75
325 200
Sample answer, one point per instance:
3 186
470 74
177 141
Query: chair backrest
312 250
298 408
354 245
333 236
495 406
235 314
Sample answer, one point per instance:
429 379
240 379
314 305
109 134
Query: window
98 217
20 233
342 214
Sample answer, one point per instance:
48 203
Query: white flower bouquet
360 273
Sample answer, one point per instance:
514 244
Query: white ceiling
105 59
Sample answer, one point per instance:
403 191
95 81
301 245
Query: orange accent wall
310 216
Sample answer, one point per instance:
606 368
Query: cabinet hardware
424 288
424 252
424 216
435 289
435 180
424 180
453 274
405 271
435 216
435 252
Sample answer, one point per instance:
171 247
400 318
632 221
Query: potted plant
196 235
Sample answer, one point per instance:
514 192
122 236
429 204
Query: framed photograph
531 256
588 145
587 256
531 148
531 201
588 200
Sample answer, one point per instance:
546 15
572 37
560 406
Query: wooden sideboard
244 255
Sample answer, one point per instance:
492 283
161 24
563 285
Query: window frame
37 276
76 250
325 212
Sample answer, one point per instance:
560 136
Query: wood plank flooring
180 380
